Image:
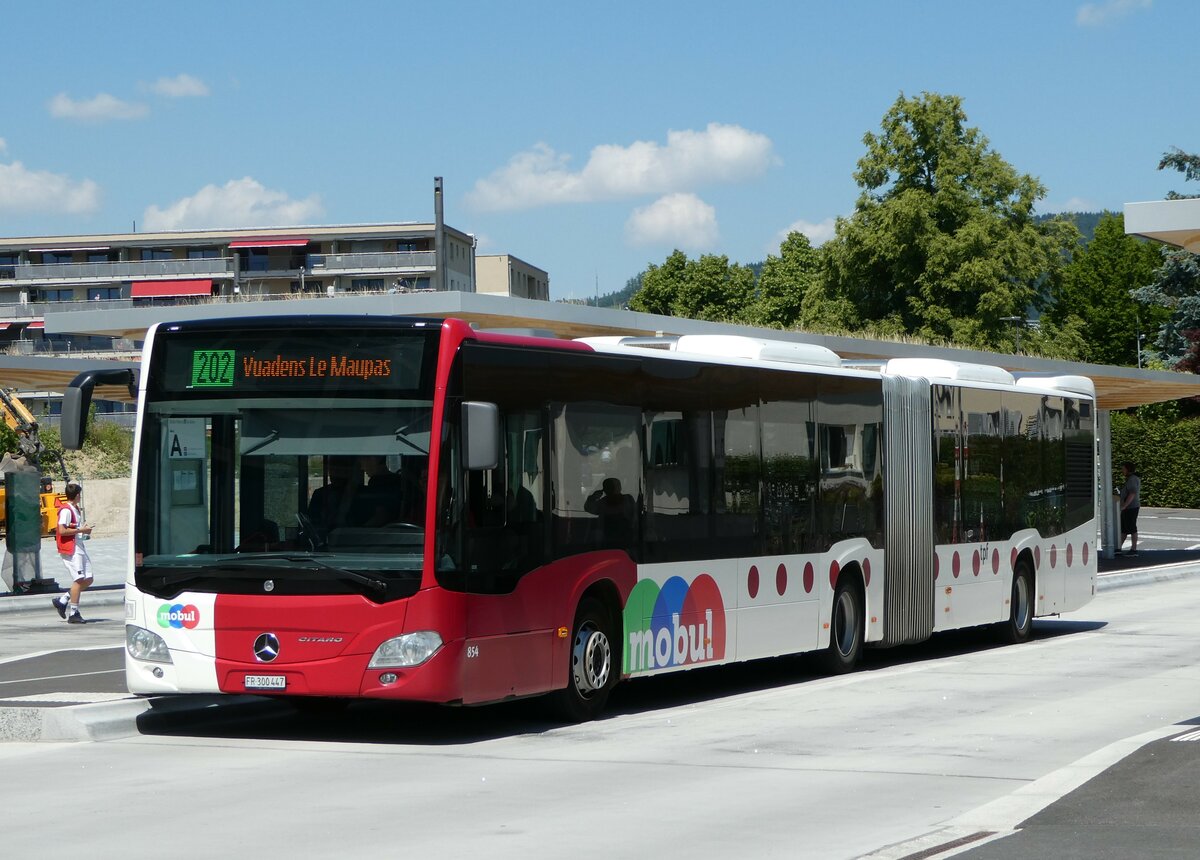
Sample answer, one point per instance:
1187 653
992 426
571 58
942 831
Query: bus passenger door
508 646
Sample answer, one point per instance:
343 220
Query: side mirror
77 399
481 435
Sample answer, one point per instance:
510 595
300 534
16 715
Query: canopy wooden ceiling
1116 387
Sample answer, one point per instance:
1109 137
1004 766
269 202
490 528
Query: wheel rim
591 660
1021 602
845 624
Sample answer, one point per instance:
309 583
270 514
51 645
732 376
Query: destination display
204 362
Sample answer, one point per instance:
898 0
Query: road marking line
56 677
1190 736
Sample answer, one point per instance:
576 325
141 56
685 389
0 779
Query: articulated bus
347 507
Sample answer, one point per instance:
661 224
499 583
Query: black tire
592 669
1019 626
845 629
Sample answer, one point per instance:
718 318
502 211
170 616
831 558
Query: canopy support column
1104 497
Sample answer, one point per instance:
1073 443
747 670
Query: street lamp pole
1019 322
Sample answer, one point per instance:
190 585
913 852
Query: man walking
70 536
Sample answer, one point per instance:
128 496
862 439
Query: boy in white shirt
70 535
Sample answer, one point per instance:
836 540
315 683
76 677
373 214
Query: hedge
1166 455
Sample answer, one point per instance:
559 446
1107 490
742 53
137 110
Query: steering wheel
310 531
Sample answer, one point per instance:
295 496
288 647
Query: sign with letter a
185 438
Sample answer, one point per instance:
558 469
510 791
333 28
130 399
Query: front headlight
411 649
144 645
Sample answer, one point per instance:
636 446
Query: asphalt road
927 745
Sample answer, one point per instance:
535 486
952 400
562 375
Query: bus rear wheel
845 630
1019 626
591 672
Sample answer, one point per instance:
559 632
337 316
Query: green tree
661 285
784 282
1185 163
1095 293
1175 286
715 289
710 288
943 242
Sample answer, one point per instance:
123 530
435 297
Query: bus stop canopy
1116 387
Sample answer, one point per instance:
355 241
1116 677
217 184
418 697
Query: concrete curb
106 721
97 595
1147 575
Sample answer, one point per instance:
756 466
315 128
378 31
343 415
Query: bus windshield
305 483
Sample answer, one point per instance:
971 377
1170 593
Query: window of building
57 257
98 257
103 293
363 285
8 266
157 254
203 253
309 286
54 295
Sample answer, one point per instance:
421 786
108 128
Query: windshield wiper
245 568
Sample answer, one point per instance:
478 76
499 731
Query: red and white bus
398 508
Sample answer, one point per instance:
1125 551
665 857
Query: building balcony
39 274
390 262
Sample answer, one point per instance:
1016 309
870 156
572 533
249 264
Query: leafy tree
661 285
715 289
784 282
1175 286
943 241
710 288
1185 163
1094 294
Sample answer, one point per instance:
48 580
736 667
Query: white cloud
682 221
1098 14
99 108
818 234
541 176
23 190
238 203
3 145
180 86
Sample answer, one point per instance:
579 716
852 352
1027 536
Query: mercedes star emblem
269 585
266 647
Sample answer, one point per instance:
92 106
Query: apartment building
506 275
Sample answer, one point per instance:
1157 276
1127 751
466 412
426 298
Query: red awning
5 326
271 242
161 289
36 324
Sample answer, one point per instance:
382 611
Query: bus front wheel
845 629
591 672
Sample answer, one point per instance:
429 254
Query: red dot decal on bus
975 563
752 581
1053 555
1037 556
781 580
834 570
809 576
995 561
1070 553
1012 560
937 566
1086 546
955 564
867 571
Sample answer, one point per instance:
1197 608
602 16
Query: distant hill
1085 222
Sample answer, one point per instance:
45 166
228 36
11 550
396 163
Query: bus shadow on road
413 724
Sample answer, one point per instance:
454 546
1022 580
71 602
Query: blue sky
588 139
